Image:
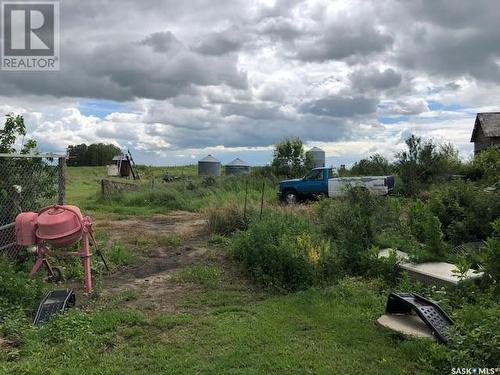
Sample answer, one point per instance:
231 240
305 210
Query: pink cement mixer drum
57 226
60 225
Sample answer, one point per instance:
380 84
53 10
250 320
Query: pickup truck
324 182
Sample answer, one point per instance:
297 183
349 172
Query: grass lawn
316 331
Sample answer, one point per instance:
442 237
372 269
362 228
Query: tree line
96 154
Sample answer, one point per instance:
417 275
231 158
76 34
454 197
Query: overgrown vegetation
320 258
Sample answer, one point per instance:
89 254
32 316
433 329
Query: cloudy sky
175 80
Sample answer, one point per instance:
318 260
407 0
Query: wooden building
486 131
123 164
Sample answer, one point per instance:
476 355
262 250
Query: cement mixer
55 227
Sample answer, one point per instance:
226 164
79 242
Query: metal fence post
62 180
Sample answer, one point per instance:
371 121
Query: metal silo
318 157
209 166
237 166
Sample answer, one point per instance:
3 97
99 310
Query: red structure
57 227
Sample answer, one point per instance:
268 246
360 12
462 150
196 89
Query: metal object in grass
55 302
434 317
57 227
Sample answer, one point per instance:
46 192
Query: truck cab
313 184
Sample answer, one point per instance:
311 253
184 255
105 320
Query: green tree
25 183
375 165
96 154
13 128
424 161
290 159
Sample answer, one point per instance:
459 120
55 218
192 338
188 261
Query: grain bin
318 156
237 166
209 166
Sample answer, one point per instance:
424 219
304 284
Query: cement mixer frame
31 230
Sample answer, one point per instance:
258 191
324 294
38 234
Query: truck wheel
291 197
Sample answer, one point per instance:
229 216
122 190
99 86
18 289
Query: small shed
486 131
123 165
209 166
238 166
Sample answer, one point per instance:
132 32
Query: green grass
188 193
170 240
315 331
204 275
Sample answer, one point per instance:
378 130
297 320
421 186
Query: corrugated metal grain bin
209 166
318 157
237 166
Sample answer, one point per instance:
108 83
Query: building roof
490 124
209 159
238 163
316 149
120 157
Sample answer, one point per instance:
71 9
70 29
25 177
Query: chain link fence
27 183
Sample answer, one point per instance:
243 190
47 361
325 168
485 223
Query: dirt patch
151 277
188 225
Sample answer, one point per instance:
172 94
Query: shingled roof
490 124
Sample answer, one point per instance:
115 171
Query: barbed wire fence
27 183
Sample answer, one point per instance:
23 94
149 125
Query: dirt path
150 279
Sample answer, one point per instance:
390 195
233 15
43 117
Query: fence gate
27 183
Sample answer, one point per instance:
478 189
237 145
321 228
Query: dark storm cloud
252 111
374 79
162 41
447 38
156 67
337 106
220 43
190 61
340 41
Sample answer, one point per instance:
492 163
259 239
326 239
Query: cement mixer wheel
56 275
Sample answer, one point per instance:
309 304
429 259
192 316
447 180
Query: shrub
427 230
283 251
473 340
464 211
485 166
424 161
492 255
16 288
353 223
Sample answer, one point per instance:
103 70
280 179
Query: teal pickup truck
325 182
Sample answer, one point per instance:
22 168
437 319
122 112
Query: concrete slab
408 325
436 273
431 273
400 255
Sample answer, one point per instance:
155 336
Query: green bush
426 228
16 288
473 340
464 211
353 223
492 255
485 166
283 251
